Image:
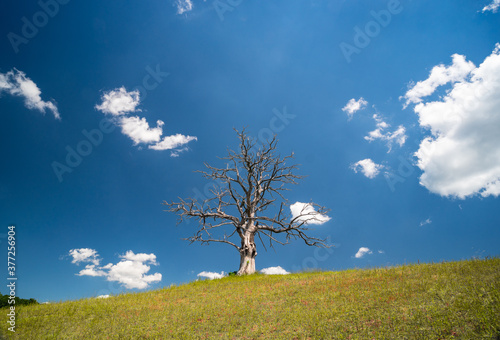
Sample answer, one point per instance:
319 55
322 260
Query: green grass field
454 300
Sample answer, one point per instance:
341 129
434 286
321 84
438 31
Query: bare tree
250 202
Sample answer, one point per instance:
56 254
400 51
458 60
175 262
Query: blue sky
108 108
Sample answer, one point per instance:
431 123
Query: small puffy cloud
184 6
305 212
427 221
131 271
119 102
367 167
91 270
354 105
173 142
274 271
440 75
103 296
493 7
84 255
398 136
17 84
461 158
211 275
362 252
139 131
381 252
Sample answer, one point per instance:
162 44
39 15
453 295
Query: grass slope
427 301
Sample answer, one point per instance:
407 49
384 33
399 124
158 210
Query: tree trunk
248 253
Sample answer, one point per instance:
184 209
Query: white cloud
103 296
367 167
381 252
495 4
177 152
141 257
362 252
461 158
84 255
211 275
427 221
119 102
398 136
184 6
91 270
17 84
173 142
310 215
440 75
274 271
354 105
130 271
132 274
139 131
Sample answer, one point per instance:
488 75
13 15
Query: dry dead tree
250 202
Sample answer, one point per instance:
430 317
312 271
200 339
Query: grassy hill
455 300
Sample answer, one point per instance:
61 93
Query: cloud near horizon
130 272
120 102
362 252
274 271
17 84
267 271
461 157
211 275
